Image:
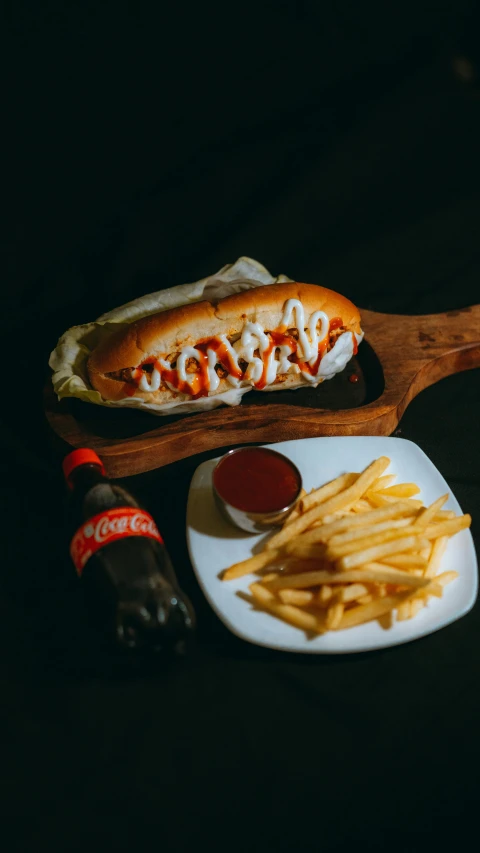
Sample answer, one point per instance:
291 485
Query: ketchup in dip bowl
256 488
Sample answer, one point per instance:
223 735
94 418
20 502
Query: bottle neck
83 478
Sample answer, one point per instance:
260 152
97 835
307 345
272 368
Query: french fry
334 616
448 528
438 551
351 592
428 513
369 555
318 496
383 500
446 578
400 490
406 561
295 528
288 612
253 564
370 530
356 491
371 572
299 597
334 552
383 482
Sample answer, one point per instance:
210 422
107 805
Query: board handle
419 350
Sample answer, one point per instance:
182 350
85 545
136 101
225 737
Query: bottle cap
82 456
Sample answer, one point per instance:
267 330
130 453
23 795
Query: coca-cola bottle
132 594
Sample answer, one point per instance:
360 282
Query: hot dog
268 338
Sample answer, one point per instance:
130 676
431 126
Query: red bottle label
107 527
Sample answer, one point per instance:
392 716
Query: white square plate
214 545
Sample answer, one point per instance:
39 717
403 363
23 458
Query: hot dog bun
164 335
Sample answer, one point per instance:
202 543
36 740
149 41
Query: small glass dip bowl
256 488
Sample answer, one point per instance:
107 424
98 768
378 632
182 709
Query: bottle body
131 590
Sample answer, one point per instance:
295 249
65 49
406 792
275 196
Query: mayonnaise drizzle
253 338
310 336
213 377
234 380
186 353
309 348
154 384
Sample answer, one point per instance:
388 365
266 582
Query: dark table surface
353 163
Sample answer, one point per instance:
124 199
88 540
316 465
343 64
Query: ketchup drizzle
199 382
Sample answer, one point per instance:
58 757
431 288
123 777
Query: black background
145 146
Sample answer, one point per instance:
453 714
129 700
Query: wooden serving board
399 356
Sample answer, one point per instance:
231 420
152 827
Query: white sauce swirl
186 353
213 377
308 349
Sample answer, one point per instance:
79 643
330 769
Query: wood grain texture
414 352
